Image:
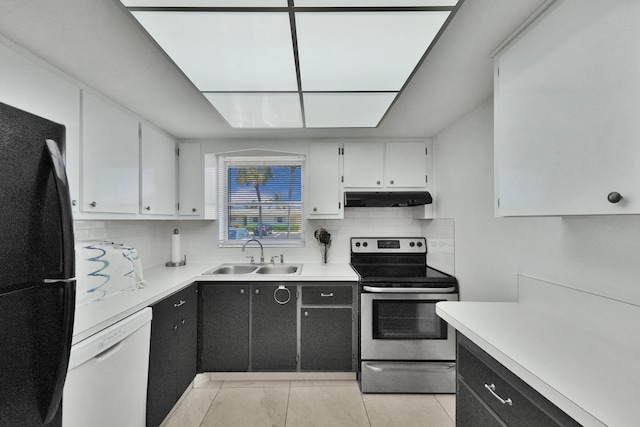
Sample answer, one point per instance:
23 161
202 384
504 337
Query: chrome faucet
261 249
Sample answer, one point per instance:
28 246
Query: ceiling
100 44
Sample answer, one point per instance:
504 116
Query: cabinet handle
179 304
391 182
282 287
378 182
330 294
147 208
492 390
614 197
93 204
315 209
193 210
175 327
182 322
74 203
242 291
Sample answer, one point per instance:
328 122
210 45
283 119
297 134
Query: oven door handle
408 290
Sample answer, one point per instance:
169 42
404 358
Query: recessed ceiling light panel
340 110
227 51
374 3
204 3
363 51
258 110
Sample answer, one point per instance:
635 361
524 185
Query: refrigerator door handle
66 215
51 402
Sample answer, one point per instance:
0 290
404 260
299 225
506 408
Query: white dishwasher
107 378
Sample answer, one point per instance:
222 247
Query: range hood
384 199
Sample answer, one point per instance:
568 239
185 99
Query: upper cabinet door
567 134
324 191
158 172
190 172
363 165
406 165
110 158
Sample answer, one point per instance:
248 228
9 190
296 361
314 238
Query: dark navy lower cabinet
488 394
172 352
273 327
224 328
326 339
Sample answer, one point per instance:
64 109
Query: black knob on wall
614 197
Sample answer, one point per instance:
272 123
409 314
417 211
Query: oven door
403 326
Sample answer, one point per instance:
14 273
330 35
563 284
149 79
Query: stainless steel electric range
404 346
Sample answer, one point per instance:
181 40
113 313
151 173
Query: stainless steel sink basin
278 269
232 269
246 269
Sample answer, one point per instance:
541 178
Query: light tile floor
306 403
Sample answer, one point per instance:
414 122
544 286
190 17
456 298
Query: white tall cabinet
191 181
324 190
157 172
567 134
110 158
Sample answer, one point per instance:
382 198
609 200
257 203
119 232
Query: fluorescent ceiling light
363 51
296 63
227 51
205 3
339 110
258 110
374 3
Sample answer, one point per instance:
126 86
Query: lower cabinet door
273 327
161 395
225 328
326 339
187 340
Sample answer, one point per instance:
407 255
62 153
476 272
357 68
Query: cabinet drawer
327 295
521 405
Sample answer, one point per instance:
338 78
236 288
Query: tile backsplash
152 239
199 239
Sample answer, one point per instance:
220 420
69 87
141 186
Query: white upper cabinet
363 165
157 172
567 134
388 166
324 191
27 84
406 165
110 158
190 173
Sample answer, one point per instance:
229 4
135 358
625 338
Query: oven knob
419 244
412 244
357 244
365 244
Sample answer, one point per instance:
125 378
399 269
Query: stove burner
397 265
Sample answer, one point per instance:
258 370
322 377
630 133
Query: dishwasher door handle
109 351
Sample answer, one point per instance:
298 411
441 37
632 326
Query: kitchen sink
232 269
245 269
278 269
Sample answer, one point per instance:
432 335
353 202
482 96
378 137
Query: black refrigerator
37 286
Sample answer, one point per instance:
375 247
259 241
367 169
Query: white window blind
261 198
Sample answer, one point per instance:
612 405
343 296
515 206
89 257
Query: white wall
600 254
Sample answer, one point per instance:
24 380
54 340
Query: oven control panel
388 245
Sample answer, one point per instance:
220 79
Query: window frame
227 161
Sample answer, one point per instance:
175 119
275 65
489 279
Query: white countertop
592 376
163 281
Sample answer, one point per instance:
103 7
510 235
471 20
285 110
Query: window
261 198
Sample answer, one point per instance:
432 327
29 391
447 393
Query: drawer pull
329 295
179 304
492 390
